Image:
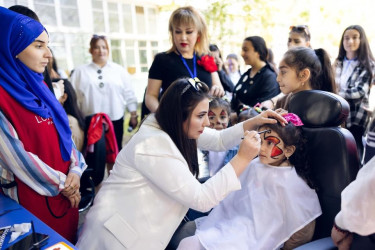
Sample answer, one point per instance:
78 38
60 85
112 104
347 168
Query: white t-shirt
107 89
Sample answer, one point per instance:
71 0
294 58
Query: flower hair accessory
293 118
208 63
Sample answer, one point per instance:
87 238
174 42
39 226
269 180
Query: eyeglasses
300 28
98 36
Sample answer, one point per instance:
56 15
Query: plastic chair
333 152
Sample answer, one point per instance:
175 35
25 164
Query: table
21 215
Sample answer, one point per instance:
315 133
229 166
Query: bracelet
134 116
339 229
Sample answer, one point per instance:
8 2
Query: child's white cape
274 203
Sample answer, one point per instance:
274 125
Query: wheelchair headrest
318 108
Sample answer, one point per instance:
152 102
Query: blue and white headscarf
17 32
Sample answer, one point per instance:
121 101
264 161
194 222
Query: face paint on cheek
224 116
276 151
211 116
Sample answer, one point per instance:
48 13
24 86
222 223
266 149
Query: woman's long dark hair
292 136
175 107
319 64
364 54
70 105
259 46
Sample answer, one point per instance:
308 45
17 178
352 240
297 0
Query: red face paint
276 151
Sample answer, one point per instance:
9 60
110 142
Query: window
57 45
152 21
8 3
127 18
69 13
79 44
45 9
98 16
130 56
116 51
142 46
140 16
113 17
154 48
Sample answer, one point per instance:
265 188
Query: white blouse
107 89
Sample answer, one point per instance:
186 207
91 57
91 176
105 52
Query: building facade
131 28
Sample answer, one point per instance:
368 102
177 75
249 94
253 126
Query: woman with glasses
354 74
299 36
188 57
154 180
103 86
40 167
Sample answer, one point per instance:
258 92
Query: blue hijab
26 86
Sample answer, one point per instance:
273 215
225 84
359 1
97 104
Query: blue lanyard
187 66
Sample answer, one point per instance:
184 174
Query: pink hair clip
293 118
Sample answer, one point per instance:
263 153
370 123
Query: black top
250 91
168 67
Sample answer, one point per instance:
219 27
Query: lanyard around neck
187 66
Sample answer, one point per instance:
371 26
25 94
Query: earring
16 56
198 39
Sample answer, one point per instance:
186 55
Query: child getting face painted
276 207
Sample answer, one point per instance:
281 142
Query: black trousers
118 126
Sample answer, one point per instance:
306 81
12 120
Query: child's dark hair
218 102
319 64
293 135
364 53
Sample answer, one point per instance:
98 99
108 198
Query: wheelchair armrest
321 244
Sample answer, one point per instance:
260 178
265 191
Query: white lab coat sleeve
215 140
166 168
358 202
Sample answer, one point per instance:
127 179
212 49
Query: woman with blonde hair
188 57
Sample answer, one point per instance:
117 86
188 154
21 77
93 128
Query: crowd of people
202 115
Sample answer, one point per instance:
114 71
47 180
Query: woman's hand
133 122
71 190
74 198
217 91
342 240
266 117
249 149
250 146
72 184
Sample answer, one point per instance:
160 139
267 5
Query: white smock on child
272 205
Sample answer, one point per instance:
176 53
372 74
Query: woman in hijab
40 165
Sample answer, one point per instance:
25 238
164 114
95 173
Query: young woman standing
354 74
